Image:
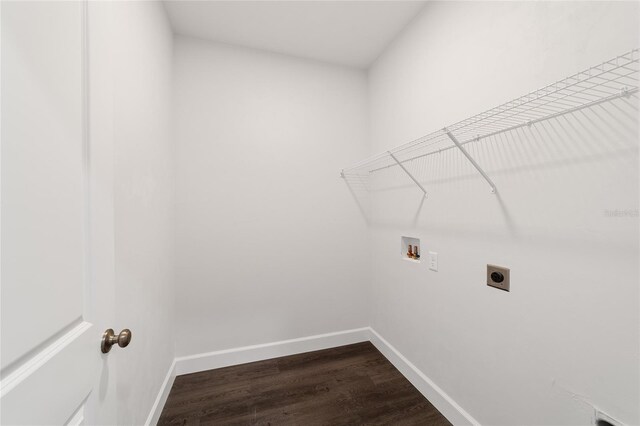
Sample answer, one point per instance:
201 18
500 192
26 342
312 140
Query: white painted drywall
270 243
351 33
566 337
102 404
131 110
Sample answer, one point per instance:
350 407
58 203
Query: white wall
566 337
270 244
102 404
131 74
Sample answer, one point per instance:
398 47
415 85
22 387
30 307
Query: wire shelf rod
531 108
458 126
472 161
604 82
408 173
515 127
546 103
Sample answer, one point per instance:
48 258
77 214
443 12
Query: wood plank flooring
348 385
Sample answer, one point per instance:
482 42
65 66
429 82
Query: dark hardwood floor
348 385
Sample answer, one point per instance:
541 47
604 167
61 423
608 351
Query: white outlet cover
433 261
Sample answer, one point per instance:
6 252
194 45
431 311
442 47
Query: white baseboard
228 357
163 394
436 396
225 358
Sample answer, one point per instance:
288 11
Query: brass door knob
109 339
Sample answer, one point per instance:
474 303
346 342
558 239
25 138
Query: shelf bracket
407 172
470 158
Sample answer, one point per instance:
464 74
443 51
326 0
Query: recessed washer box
405 242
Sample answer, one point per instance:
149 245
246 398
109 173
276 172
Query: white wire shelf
602 83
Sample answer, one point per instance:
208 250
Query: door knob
109 339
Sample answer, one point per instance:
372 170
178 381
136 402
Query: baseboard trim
228 357
243 355
163 394
443 402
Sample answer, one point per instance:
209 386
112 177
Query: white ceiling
350 33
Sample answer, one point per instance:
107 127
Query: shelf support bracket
407 172
471 160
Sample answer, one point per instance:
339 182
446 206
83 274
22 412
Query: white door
51 363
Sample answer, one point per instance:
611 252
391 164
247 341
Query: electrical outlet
498 277
433 261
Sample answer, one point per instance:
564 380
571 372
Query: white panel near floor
143 151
